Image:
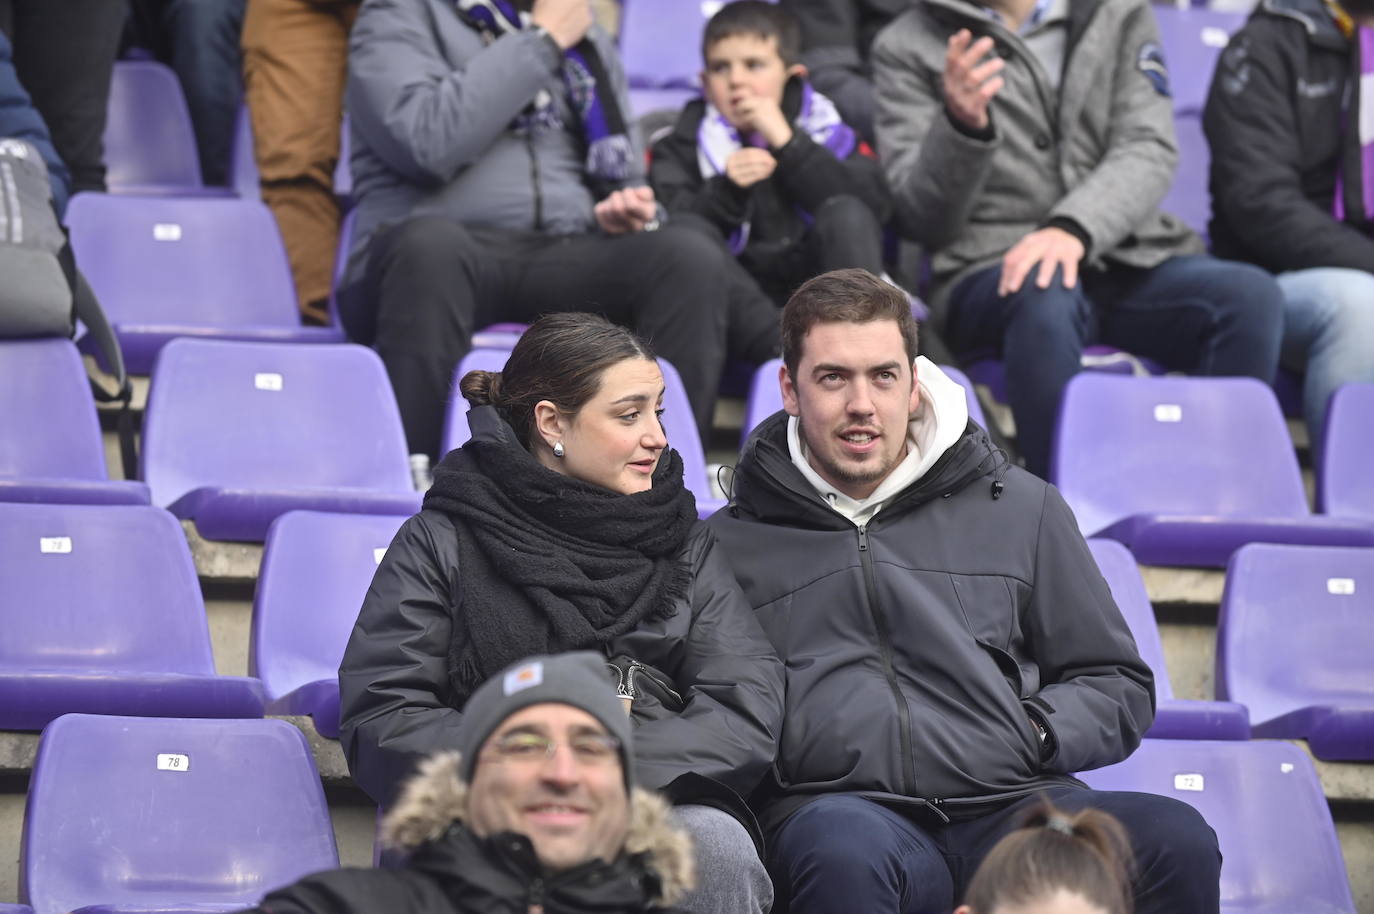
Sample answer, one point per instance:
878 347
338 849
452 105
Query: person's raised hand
970 79
748 166
1052 248
567 21
762 116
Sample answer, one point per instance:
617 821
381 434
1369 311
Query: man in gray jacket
1028 144
497 178
952 651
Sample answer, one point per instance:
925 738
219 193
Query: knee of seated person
1252 293
1054 306
834 830
1178 841
428 240
845 213
688 253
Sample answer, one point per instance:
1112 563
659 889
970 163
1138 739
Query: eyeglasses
587 748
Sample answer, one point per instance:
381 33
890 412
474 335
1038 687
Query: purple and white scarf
717 140
590 92
1354 199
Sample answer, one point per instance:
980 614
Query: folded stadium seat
243 167
678 424
236 434
765 396
1293 644
1174 718
1345 484
1265 802
50 446
166 267
1192 39
133 814
103 614
316 569
150 147
1184 471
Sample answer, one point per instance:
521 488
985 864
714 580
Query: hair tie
1060 824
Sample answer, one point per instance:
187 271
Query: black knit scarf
551 563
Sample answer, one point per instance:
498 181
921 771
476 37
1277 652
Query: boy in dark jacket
764 161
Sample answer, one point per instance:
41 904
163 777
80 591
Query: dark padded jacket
395 700
1273 120
20 120
918 647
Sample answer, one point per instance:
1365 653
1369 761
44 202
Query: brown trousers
295 61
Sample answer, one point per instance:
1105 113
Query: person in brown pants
295 59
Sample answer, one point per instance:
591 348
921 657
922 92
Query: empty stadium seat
1193 39
765 396
678 424
166 267
102 613
150 146
50 446
660 42
1174 718
316 569
1293 644
1183 471
1265 803
136 814
1345 483
236 434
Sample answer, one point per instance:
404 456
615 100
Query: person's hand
1052 248
626 211
748 166
970 82
762 116
567 21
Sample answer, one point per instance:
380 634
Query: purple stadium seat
149 144
167 267
1345 483
677 423
236 434
1189 197
102 614
660 42
1184 471
986 368
243 167
1293 643
645 100
1265 803
316 569
50 447
133 814
765 396
1193 40
15 909
1174 718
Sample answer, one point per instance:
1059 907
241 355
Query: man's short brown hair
852 296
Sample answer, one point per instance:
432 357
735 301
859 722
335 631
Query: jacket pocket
644 685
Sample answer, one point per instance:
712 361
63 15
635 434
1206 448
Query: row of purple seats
170 815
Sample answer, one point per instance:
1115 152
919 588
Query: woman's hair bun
481 388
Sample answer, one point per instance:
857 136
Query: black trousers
844 233
432 281
64 51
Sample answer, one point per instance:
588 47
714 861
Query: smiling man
535 814
952 651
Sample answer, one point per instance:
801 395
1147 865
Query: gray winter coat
916 647
1100 153
430 107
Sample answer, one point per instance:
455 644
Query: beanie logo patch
523 677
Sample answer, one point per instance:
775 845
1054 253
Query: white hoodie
939 421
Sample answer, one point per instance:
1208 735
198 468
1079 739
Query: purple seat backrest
148 135
316 568
660 41
100 589
1265 802
48 426
166 813
1192 446
212 261
1189 197
271 416
341 264
975 409
1119 568
1296 628
1345 485
1193 39
456 431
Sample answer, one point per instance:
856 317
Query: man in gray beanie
534 814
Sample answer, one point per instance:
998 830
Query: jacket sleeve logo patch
1150 61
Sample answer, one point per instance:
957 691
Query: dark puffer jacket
1273 120
918 647
395 700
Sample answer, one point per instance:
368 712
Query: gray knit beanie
578 679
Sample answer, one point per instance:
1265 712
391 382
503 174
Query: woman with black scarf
564 524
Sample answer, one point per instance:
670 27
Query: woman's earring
558 450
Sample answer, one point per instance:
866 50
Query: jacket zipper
534 182
637 668
885 649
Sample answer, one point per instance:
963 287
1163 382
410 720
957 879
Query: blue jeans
1195 314
204 38
842 853
1328 335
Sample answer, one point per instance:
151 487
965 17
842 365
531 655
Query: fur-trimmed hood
436 798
